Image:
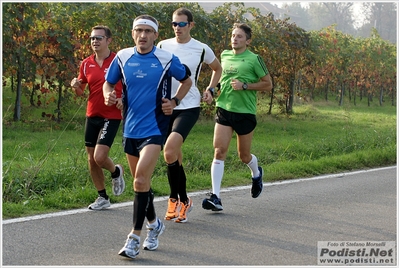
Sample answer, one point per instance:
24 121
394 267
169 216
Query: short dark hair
184 11
245 28
103 27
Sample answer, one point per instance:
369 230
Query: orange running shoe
185 209
173 209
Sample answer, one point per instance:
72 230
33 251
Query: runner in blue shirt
146 73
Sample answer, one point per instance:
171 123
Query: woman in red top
102 121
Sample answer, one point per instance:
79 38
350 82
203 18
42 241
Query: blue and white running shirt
146 79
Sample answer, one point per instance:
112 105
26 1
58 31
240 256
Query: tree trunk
60 83
326 90
313 88
299 82
32 94
349 93
290 99
271 102
381 95
393 97
272 97
369 99
361 92
341 98
354 95
17 107
12 84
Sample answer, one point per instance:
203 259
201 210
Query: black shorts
134 146
242 124
100 130
182 121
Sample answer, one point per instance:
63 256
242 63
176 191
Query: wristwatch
244 86
176 100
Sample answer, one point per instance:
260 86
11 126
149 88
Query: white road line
163 198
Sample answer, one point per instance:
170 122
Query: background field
45 163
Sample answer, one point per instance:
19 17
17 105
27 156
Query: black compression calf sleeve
182 185
151 209
140 205
173 178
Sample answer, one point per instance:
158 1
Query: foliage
45 42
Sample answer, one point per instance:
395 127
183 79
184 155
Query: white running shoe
151 241
132 246
118 183
100 203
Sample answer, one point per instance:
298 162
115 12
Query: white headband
146 22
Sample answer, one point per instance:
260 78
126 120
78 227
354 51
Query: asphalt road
281 227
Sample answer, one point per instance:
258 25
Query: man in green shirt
244 73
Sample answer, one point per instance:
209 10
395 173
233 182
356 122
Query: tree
45 42
382 17
329 13
283 45
302 16
18 59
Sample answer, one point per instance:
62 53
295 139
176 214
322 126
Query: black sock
103 193
116 173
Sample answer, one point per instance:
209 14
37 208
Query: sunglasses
180 24
97 37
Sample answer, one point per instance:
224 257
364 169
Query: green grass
45 163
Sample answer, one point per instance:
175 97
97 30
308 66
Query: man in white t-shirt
192 53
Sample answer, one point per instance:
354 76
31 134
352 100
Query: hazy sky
358 16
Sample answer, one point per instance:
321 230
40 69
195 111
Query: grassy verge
45 167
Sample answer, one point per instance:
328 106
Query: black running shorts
134 146
100 130
182 121
242 124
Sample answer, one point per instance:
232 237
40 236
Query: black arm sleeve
188 72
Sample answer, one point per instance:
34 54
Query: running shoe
257 184
118 183
214 203
132 247
100 203
151 241
185 209
174 207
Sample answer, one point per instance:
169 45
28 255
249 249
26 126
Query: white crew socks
155 224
